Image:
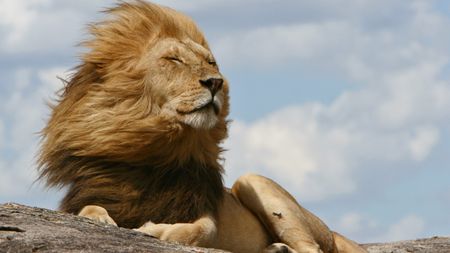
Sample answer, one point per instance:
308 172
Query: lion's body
235 221
136 135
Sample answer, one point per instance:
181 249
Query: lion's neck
135 195
190 146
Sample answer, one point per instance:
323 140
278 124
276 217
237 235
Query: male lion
135 137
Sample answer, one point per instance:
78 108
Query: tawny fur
108 140
134 143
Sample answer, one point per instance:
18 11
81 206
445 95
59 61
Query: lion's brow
198 49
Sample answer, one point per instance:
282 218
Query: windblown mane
104 143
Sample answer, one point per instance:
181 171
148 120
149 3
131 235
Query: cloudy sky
345 103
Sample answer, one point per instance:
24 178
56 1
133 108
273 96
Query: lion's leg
97 213
202 232
346 245
283 216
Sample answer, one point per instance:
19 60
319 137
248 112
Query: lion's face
185 82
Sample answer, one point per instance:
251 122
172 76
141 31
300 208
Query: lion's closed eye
173 59
212 63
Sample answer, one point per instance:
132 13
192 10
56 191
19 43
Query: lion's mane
105 144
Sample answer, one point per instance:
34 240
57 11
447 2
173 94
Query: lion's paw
152 229
279 248
97 213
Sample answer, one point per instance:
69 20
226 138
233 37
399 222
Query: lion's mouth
206 106
210 104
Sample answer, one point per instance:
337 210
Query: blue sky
345 103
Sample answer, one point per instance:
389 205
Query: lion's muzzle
213 84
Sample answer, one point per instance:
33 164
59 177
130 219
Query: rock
429 245
28 229
31 229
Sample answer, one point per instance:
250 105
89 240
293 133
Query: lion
136 135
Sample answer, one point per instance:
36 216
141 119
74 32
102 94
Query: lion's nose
213 84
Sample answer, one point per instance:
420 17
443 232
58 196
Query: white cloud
366 229
409 227
316 149
423 141
30 26
2 130
340 44
17 16
351 223
24 107
395 116
305 42
354 223
293 148
18 173
51 82
24 112
198 5
413 94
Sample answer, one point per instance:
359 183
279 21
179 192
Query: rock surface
28 229
429 245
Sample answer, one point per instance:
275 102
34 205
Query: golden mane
108 143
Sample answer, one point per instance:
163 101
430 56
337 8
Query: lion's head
148 91
163 55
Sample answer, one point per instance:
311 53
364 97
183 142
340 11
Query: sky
346 104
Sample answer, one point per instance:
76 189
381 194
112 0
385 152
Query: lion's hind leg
288 222
346 245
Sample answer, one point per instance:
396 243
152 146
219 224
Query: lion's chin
205 118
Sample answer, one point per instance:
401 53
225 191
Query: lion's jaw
204 117
185 96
